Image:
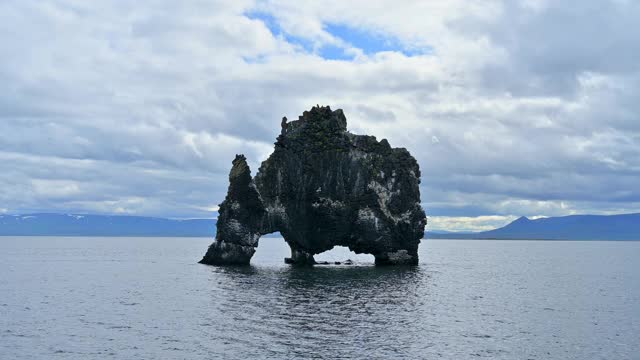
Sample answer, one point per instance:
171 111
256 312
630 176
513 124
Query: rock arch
323 186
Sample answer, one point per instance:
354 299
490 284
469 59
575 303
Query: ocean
148 298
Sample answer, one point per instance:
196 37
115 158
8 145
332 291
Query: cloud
468 224
511 107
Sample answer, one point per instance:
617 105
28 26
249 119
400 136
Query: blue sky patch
272 24
331 52
369 42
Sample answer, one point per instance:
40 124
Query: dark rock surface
321 187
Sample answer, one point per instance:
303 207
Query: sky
512 108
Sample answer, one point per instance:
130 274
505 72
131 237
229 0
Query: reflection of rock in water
321 187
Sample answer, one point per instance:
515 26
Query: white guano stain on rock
385 194
326 202
399 256
276 208
367 215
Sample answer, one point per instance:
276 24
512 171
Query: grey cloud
549 46
37 183
140 107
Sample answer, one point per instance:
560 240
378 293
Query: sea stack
321 187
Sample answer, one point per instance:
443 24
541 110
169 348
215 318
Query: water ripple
144 299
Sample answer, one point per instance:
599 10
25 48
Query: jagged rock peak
323 186
320 120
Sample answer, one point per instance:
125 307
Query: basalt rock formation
321 187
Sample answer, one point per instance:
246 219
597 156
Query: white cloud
55 188
511 107
467 223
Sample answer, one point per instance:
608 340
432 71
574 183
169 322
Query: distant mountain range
574 227
101 225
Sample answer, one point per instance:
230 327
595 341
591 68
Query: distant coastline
623 227
48 224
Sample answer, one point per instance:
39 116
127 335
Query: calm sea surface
147 298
